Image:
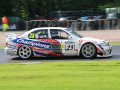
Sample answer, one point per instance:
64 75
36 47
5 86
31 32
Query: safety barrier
76 24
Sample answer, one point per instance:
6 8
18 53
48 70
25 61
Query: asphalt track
15 59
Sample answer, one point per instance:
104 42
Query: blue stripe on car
38 44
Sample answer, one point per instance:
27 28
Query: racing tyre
88 51
25 52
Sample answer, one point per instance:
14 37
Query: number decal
70 47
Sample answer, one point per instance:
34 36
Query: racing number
70 47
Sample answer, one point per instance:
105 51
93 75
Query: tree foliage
30 8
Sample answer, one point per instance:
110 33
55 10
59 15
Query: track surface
14 59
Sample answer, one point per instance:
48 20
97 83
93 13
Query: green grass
77 75
115 43
2 47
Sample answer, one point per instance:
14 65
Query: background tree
29 8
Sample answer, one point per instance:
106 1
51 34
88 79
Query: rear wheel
88 50
25 52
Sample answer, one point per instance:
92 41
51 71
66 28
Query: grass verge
79 75
2 47
115 43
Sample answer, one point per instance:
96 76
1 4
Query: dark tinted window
58 34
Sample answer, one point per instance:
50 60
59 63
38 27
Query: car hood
90 39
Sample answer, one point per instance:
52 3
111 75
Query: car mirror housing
70 37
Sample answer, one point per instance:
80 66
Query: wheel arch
32 54
84 44
22 46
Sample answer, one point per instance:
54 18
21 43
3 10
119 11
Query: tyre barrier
76 24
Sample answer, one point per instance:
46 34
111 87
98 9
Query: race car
55 41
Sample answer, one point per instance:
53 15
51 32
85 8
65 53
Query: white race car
55 41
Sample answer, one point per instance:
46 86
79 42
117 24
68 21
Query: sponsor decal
83 41
69 42
33 43
80 41
62 45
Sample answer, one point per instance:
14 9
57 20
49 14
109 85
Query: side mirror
70 37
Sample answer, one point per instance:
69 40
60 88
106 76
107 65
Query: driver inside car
42 34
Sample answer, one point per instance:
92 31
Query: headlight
104 44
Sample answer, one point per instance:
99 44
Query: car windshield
74 33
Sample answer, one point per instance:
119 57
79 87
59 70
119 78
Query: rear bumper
10 51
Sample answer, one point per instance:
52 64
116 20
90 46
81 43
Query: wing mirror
70 37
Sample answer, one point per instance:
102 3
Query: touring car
55 41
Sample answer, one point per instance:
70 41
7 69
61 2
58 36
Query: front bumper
10 51
105 51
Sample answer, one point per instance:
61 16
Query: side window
58 34
38 34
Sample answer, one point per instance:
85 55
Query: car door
68 45
39 41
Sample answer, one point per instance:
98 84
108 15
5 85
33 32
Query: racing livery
55 41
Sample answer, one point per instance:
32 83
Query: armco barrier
76 24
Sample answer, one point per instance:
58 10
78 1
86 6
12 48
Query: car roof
50 28
34 29
63 28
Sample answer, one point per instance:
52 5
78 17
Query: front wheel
88 50
25 52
